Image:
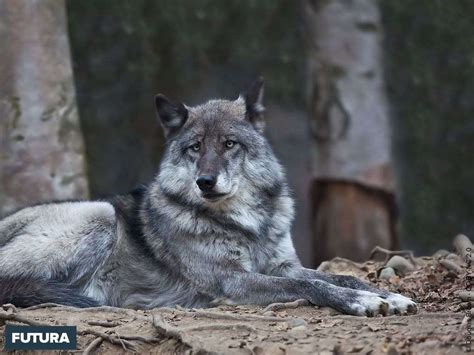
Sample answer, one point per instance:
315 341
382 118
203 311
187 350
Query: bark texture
353 187
41 146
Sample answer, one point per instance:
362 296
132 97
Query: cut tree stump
349 220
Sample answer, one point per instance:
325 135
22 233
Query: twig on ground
389 253
93 345
285 305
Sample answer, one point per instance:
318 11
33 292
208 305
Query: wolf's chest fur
184 235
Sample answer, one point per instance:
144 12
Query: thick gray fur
172 243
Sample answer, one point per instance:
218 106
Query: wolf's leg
338 280
261 289
285 263
397 303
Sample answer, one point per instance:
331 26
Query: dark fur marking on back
127 209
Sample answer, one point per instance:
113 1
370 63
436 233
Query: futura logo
40 338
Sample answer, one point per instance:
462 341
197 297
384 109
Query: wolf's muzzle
206 182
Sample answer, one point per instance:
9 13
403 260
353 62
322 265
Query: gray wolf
212 227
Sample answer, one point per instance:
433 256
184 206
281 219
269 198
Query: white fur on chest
221 250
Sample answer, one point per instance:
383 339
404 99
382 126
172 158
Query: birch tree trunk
353 189
41 147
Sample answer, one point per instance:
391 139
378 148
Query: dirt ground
440 327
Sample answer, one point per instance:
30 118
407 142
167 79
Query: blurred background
369 105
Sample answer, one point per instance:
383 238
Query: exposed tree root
93 345
326 264
122 341
121 337
248 317
450 265
389 253
9 307
105 324
168 331
232 326
109 309
43 305
285 305
191 312
467 296
14 317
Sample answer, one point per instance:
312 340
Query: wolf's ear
254 104
172 115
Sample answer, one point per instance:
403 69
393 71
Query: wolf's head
216 151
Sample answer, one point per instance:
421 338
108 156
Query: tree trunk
352 190
41 147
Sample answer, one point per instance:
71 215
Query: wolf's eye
196 147
229 144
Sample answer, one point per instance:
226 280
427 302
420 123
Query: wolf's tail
27 292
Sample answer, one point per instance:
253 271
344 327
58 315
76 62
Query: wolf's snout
206 182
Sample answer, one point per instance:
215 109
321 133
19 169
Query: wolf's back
26 292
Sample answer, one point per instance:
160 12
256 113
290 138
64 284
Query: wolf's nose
206 182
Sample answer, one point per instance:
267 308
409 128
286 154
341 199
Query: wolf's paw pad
369 304
399 304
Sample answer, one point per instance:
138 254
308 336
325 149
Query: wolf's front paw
368 304
399 304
